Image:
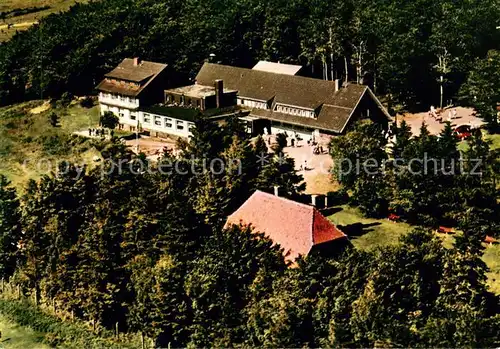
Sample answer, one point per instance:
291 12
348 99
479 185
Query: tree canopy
382 43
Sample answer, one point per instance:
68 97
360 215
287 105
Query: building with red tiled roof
298 228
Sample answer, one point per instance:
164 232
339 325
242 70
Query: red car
463 132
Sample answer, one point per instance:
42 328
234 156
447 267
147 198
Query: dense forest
404 49
146 249
424 179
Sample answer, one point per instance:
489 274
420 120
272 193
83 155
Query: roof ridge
268 72
284 199
144 61
336 106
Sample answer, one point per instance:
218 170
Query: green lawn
19 337
367 234
30 146
494 139
492 259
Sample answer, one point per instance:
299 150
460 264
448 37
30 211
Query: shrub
109 120
336 198
55 145
87 102
27 139
53 119
66 99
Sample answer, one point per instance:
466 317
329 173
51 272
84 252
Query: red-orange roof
294 226
446 230
490 240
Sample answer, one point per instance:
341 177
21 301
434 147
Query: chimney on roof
137 61
337 85
219 91
276 190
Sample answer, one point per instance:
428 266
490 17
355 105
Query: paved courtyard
317 168
152 147
464 116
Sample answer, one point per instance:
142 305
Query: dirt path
40 109
17 25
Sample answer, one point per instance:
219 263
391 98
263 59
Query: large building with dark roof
144 97
291 103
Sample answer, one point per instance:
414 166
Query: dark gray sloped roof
333 109
286 89
330 118
126 71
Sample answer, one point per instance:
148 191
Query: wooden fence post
143 344
116 329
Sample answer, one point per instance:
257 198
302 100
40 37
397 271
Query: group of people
452 114
318 149
303 167
293 141
96 132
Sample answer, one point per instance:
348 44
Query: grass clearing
18 337
24 21
30 146
368 233
493 138
492 259
54 331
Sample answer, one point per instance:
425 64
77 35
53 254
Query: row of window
252 104
119 97
294 111
278 108
179 124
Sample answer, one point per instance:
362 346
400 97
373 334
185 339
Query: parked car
463 132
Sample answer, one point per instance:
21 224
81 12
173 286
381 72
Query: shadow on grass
330 211
358 229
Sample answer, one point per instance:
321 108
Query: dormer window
294 111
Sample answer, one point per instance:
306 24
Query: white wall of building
149 121
121 101
291 130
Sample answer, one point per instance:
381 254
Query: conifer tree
10 228
403 136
